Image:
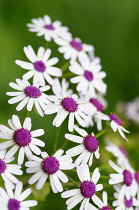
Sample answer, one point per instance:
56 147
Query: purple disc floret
2 166
137 177
32 92
91 143
13 204
22 137
50 165
88 75
49 27
128 203
39 66
128 178
97 104
87 189
115 119
69 104
105 208
76 45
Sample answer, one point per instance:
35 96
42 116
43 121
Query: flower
132 110
65 104
122 203
87 189
14 200
103 205
28 95
125 175
49 166
45 27
88 146
115 123
7 170
20 138
89 77
72 47
40 68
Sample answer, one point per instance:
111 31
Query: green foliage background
111 26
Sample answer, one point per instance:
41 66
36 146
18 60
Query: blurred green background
111 26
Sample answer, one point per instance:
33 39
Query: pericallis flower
41 67
90 78
28 95
103 205
86 190
51 166
20 137
88 146
72 47
14 200
45 27
7 170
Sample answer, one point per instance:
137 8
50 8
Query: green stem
104 177
75 183
56 139
102 132
67 75
65 66
26 114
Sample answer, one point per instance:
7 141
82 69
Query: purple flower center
87 189
22 137
97 104
91 143
115 119
69 104
106 208
32 92
128 203
50 165
76 45
123 151
128 178
137 177
2 166
13 204
39 66
49 27
88 75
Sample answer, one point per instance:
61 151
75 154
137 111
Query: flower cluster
83 108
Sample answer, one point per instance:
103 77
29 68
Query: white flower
7 170
28 95
72 47
20 138
124 203
132 110
45 27
89 77
115 123
88 146
14 200
41 67
103 204
51 166
87 189
65 104
126 176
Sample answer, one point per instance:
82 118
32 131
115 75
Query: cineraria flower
87 189
88 146
103 205
40 68
132 110
72 47
14 200
7 170
20 138
90 78
28 95
115 123
125 175
64 105
49 166
118 151
45 27
122 203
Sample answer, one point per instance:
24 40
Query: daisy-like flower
7 170
14 200
103 205
20 138
89 78
88 146
87 189
132 110
28 95
51 166
72 47
64 104
115 123
45 27
41 67
126 176
123 203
